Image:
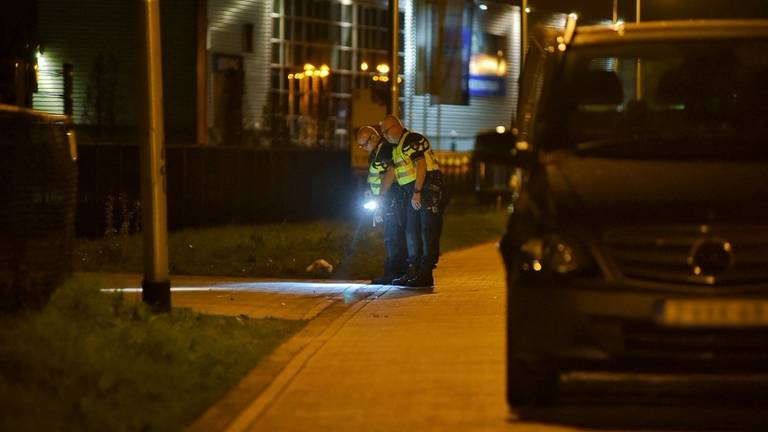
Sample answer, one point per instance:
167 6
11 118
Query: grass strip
355 249
91 361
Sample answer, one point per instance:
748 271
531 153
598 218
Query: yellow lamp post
156 285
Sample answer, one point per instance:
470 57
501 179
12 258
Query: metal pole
201 71
524 30
156 285
68 73
615 20
638 63
394 31
439 127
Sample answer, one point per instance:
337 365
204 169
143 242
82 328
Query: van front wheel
529 384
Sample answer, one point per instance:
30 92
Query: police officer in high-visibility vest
389 201
418 173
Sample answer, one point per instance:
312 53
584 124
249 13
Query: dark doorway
227 99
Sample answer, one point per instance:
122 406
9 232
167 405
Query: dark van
639 241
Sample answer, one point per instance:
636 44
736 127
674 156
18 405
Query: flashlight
371 205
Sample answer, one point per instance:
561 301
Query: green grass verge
92 361
280 250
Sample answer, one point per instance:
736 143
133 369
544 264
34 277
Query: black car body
38 193
639 241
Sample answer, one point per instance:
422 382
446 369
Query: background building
99 40
238 67
234 70
491 33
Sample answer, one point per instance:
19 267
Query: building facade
253 85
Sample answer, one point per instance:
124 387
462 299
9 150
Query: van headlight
556 255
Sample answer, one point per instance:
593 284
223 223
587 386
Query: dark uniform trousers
394 231
423 227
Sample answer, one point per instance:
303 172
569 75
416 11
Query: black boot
403 280
423 279
386 278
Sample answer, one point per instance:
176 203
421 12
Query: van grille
699 255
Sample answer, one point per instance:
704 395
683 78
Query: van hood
613 192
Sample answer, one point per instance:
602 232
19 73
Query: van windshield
662 100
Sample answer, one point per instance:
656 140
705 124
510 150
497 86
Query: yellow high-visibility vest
405 169
376 171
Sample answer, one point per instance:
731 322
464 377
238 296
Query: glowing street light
363 66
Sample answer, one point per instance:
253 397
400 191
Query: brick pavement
401 361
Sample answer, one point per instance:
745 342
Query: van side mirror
499 162
521 155
503 148
495 146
